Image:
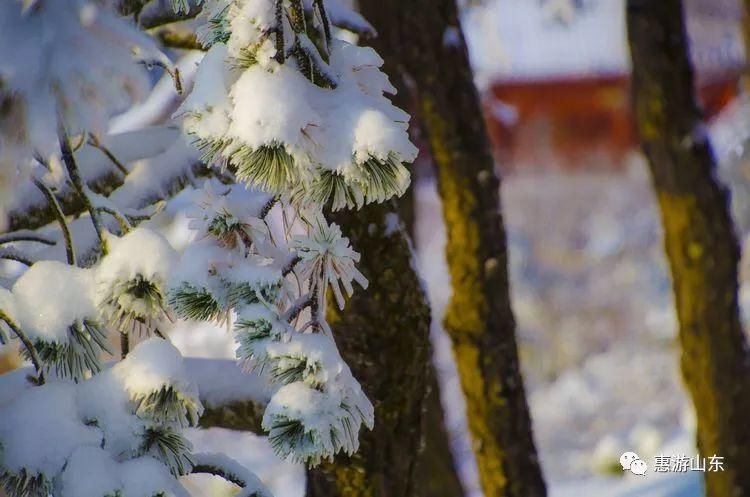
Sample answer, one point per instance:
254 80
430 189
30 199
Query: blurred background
590 285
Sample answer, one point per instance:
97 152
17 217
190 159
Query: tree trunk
424 40
745 80
383 334
436 472
699 238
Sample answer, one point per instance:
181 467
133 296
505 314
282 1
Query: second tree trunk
699 238
423 39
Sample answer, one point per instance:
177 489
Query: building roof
527 40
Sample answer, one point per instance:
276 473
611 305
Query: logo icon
631 462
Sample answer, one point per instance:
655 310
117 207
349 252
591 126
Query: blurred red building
559 94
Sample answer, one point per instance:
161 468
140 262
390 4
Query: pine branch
319 72
57 210
124 344
70 203
298 306
318 304
224 473
170 447
279 31
324 20
124 223
296 15
267 207
26 236
94 142
289 267
30 349
37 215
174 72
232 399
12 254
232 471
160 12
75 177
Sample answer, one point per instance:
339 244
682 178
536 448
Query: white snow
103 398
139 252
318 352
146 477
257 122
273 105
222 381
83 65
210 92
90 472
284 479
330 427
51 296
151 366
47 417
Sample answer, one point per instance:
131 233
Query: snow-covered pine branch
230 470
295 122
312 120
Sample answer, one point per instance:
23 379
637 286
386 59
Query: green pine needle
24 484
134 304
189 302
383 179
168 406
79 355
269 168
169 447
332 186
286 435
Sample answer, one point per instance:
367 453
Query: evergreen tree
291 120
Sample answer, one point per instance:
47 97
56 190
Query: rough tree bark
699 238
384 336
424 39
745 81
436 472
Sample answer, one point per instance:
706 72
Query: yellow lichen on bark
490 455
481 331
351 479
704 315
466 311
